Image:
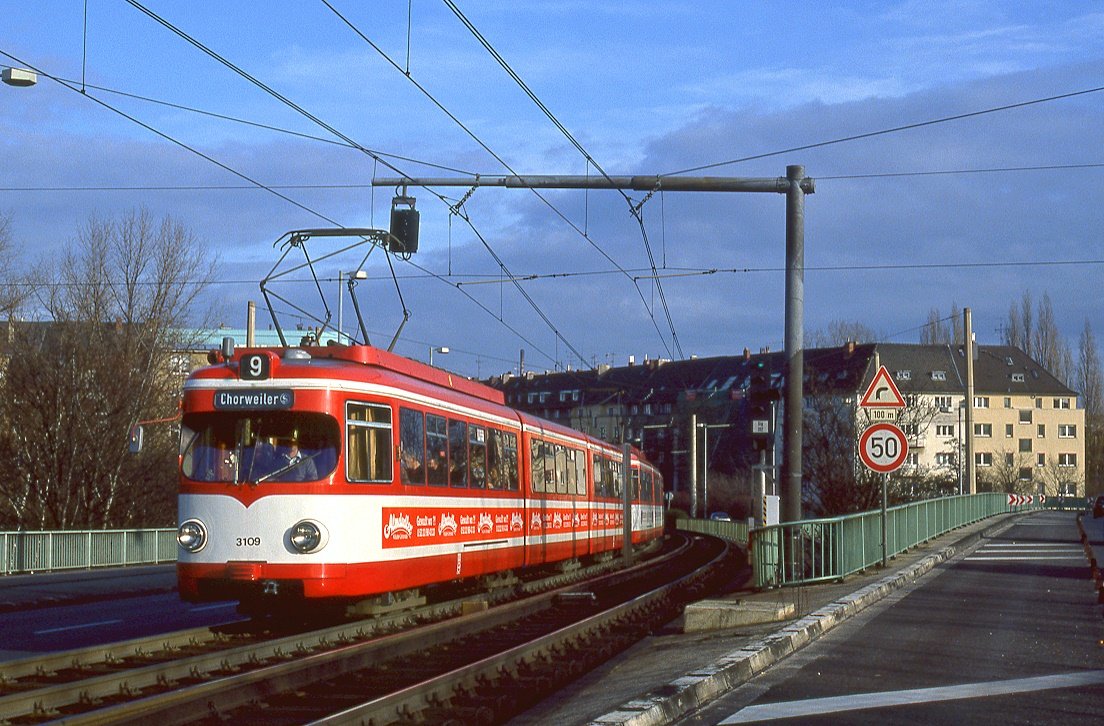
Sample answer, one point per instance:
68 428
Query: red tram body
344 472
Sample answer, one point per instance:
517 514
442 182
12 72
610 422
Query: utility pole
795 185
971 465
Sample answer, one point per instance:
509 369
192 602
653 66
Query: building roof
917 369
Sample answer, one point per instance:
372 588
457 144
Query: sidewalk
668 674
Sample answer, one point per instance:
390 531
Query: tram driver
298 466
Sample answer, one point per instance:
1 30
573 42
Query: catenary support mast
795 185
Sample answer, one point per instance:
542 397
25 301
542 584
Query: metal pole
340 308
794 367
250 324
644 183
705 471
626 498
885 542
971 471
693 465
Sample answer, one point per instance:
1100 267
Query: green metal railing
818 550
830 549
22 552
725 529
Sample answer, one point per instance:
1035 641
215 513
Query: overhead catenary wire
275 94
482 145
634 209
893 130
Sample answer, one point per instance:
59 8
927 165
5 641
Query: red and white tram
344 472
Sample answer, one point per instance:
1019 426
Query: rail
27 552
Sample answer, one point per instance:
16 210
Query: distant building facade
1029 432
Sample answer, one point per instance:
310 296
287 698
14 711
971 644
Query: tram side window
561 469
477 454
458 453
368 445
502 457
536 465
580 473
636 485
412 446
436 450
569 470
603 477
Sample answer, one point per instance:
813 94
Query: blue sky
644 88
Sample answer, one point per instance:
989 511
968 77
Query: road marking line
857 702
1030 544
216 606
77 627
1026 558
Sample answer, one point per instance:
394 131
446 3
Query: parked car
720 517
1098 507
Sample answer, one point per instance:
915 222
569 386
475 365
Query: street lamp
443 350
20 77
353 275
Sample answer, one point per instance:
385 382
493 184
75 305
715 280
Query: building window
905 375
1025 473
944 430
1017 377
1041 461
1067 431
983 430
1038 403
939 375
912 459
981 402
983 458
1041 431
1008 402
943 403
944 459
1025 446
1025 416
1009 459
1067 460
1061 403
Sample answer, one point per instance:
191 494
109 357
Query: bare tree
1090 382
1047 345
840 332
935 331
76 383
12 289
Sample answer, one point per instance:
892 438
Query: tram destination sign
257 399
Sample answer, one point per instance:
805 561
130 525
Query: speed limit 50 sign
883 448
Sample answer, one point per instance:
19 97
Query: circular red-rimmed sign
883 448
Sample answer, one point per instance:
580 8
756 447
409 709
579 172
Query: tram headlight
192 535
308 536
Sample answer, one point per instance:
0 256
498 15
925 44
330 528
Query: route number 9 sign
883 448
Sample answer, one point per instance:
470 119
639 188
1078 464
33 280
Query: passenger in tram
411 467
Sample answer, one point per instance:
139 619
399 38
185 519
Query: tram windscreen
256 448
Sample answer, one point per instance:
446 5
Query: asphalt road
56 612
1010 632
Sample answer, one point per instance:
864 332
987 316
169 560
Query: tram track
216 670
